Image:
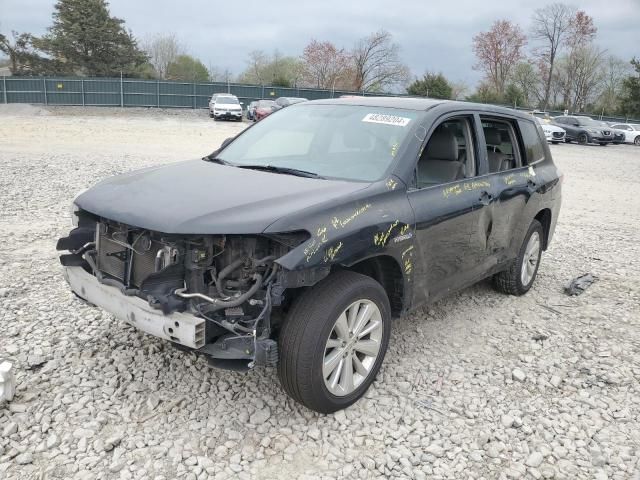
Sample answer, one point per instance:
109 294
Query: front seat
497 160
439 161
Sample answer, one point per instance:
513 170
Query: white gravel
480 385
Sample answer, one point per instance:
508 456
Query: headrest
442 146
492 136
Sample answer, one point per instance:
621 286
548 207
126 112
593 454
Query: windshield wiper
213 159
285 170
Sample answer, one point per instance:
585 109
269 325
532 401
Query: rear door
514 147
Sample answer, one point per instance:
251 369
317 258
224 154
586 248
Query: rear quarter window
533 146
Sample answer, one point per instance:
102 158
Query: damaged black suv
296 242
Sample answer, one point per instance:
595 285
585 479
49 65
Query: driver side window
448 155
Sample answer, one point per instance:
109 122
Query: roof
418 103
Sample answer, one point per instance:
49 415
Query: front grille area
115 259
558 134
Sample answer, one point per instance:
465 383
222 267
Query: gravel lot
480 385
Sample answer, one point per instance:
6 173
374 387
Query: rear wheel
583 139
522 271
333 341
636 140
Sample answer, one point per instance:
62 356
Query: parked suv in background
584 129
631 132
251 110
296 242
225 106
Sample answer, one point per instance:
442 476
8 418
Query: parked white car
225 106
631 132
552 133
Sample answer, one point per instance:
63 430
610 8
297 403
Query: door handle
485 198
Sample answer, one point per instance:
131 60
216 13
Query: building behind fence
129 92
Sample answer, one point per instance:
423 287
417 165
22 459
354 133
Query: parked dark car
251 110
283 102
263 109
584 130
296 242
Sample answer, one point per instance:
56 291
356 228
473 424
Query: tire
636 141
210 115
583 139
510 281
555 143
603 144
312 322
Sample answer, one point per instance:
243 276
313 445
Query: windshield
586 121
336 141
266 103
227 101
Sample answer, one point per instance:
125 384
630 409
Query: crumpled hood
201 197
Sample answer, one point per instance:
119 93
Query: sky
434 36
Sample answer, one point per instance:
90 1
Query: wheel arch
544 217
385 270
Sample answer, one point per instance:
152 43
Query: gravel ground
480 385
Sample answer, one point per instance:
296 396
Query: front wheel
603 144
522 271
636 141
583 139
333 341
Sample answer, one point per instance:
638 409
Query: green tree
485 94
187 69
630 97
514 96
433 85
85 39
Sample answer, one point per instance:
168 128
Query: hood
552 128
201 197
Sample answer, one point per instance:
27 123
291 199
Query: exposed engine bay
226 280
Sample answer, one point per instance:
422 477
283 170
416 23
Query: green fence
127 92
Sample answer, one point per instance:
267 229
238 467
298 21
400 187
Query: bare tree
163 49
581 33
615 70
458 90
587 76
498 51
257 62
376 63
551 26
324 64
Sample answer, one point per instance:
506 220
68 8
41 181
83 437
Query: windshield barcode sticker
386 119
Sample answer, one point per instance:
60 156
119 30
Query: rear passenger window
502 151
534 151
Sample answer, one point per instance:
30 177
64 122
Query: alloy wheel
352 347
530 259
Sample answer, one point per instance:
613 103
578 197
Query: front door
448 200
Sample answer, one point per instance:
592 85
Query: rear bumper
182 328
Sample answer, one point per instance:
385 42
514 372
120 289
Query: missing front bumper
182 328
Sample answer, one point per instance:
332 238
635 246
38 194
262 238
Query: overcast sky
433 35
